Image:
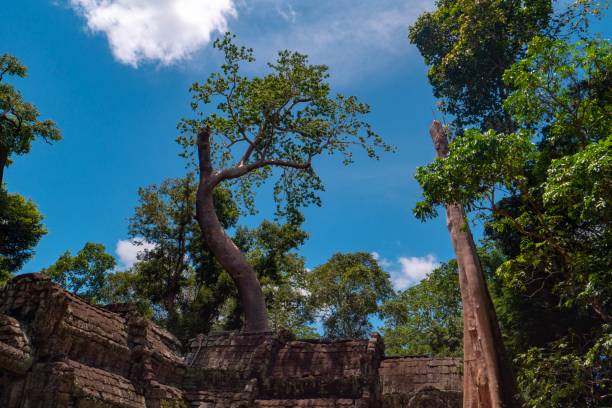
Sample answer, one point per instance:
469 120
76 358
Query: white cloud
412 270
286 12
407 271
383 262
355 38
128 251
165 31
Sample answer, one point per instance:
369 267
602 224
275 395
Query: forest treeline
527 90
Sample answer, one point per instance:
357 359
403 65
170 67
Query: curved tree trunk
488 380
223 248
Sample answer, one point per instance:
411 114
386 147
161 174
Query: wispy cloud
287 12
163 31
354 38
407 271
128 251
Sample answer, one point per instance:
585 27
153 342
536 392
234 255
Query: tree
552 222
488 379
176 274
85 273
283 120
346 291
20 230
468 45
19 124
177 279
121 287
426 319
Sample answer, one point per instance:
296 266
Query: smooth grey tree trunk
488 380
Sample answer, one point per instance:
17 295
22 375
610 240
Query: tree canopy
20 221
282 119
262 126
85 273
20 230
346 291
468 45
19 123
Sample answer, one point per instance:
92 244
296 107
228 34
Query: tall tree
20 230
488 379
552 223
180 283
19 124
346 290
556 95
284 120
85 273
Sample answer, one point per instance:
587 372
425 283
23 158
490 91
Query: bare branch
238 171
252 147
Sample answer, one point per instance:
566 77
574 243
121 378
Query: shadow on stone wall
56 350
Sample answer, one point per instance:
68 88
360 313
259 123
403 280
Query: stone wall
56 350
421 382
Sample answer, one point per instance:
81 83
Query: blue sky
114 75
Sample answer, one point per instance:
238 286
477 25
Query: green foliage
568 201
122 287
563 91
20 221
19 124
468 45
426 319
85 273
20 230
284 119
478 164
557 232
177 280
176 276
580 185
558 376
346 291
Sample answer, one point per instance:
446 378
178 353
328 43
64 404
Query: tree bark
223 248
488 380
3 160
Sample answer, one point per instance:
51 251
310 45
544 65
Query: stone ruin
56 350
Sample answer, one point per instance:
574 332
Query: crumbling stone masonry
56 350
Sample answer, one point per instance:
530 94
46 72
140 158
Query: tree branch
252 147
238 171
204 158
